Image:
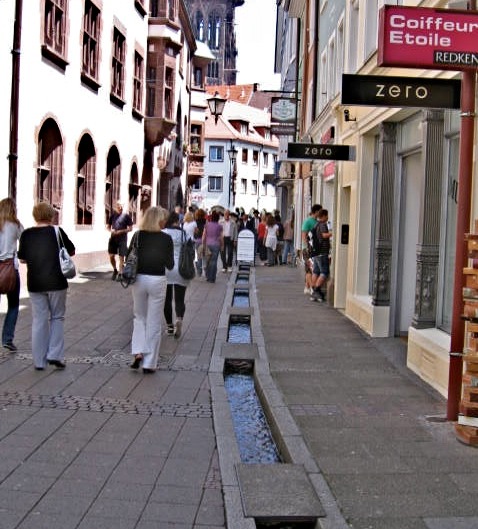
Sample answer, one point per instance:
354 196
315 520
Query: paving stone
279 492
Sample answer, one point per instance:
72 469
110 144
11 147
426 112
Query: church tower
213 24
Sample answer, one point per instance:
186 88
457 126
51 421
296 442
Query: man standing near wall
119 224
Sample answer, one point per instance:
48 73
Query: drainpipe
14 101
465 176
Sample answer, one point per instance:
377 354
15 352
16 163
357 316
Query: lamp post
216 106
232 152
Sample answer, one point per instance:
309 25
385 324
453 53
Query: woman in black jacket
47 286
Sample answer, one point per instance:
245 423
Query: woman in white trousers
155 255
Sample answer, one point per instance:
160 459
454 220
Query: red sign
421 37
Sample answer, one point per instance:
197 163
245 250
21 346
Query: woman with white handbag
47 286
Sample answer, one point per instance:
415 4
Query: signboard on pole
422 37
319 151
283 116
379 90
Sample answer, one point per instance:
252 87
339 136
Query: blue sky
255 34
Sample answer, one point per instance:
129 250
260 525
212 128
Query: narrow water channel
254 438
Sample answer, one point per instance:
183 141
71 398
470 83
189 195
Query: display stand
246 247
466 428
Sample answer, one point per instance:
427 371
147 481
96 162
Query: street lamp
232 152
216 105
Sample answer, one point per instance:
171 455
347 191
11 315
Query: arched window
133 193
200 26
214 31
85 181
113 180
50 166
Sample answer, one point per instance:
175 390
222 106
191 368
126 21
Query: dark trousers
227 253
179 293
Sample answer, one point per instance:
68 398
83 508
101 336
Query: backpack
314 240
280 231
186 258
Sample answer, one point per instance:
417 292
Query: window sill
137 115
117 101
53 56
89 81
140 7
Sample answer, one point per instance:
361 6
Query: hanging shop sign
283 116
378 90
421 37
319 151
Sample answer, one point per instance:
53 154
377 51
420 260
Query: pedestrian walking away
119 224
271 239
47 286
212 240
288 249
10 231
200 218
155 255
176 284
229 233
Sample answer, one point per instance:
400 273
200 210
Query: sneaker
306 290
316 298
170 330
224 270
114 275
229 269
177 330
11 347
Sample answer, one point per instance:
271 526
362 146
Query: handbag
128 277
8 276
186 258
67 264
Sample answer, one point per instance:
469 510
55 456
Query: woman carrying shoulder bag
47 286
10 231
155 255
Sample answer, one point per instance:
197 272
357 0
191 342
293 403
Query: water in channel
240 298
253 435
239 332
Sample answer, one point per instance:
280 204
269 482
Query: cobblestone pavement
98 445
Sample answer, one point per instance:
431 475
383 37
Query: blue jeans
288 249
10 321
211 269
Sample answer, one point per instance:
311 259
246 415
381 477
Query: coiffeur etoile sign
421 37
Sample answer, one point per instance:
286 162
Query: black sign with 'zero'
380 90
319 151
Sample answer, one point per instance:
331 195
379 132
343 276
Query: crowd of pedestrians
159 289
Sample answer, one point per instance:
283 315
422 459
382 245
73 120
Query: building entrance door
409 226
